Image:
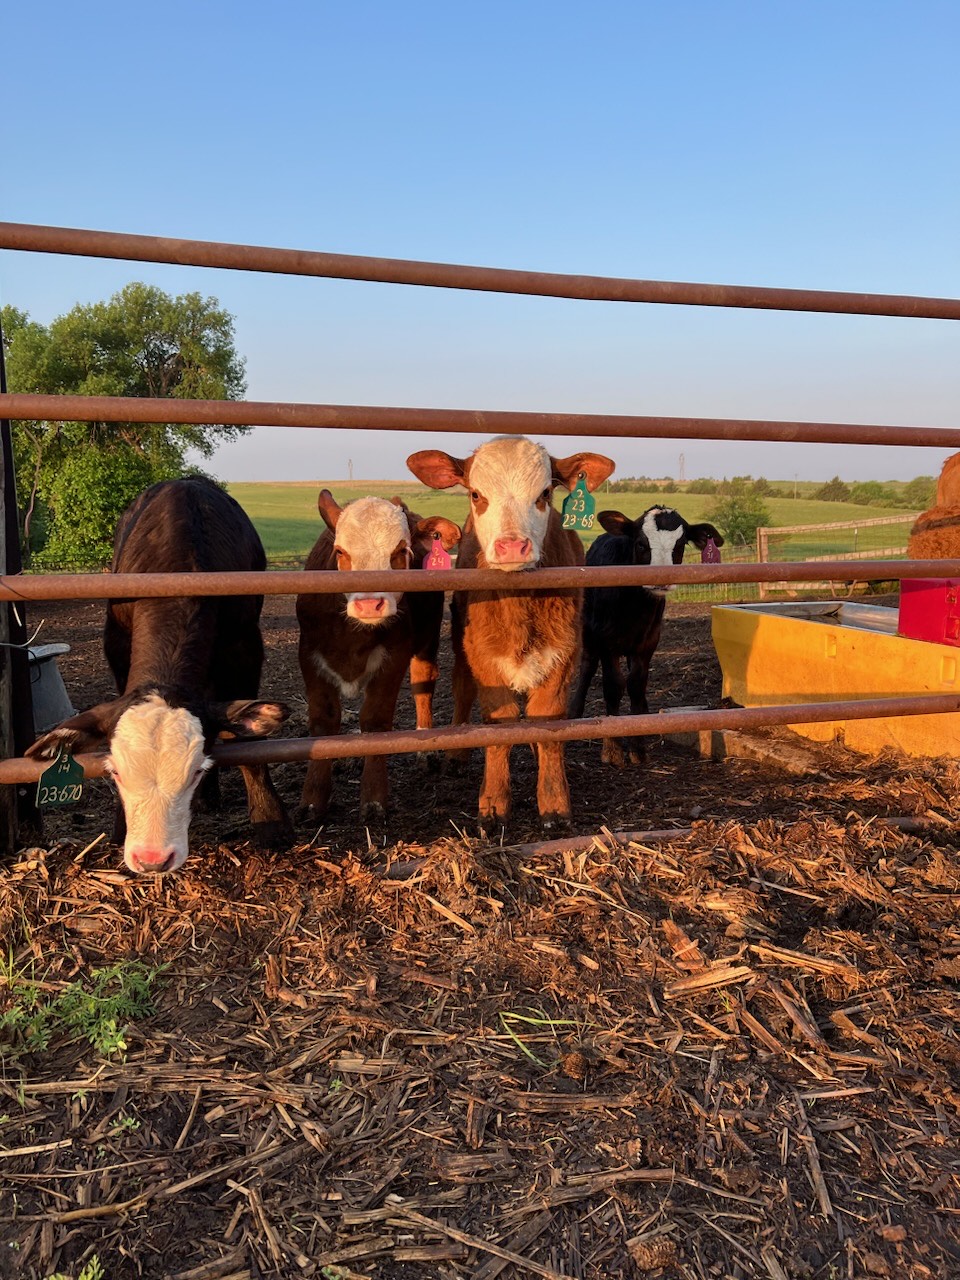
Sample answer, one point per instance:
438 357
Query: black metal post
18 811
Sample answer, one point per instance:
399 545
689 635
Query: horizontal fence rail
109 586
263 413
62 240
243 257
456 738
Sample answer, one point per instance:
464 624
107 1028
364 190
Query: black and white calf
625 622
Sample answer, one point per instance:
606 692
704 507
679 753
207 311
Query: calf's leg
464 696
553 792
323 711
497 704
613 682
376 716
636 748
589 660
270 823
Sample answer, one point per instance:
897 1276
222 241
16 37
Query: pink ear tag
438 557
710 553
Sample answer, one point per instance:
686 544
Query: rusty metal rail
256 413
107 586
243 257
43 239
405 742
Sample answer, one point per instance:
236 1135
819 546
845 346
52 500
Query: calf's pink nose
513 550
152 859
370 607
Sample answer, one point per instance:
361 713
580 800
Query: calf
364 644
624 622
511 645
176 661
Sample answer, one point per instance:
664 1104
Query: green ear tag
579 506
61 784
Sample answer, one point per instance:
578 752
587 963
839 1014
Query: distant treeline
912 495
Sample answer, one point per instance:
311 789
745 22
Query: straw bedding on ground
732 1051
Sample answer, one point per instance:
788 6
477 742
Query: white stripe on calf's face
512 478
368 533
662 542
157 758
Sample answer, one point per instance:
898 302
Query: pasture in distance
286 517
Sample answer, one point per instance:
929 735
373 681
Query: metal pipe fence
344 266
251 413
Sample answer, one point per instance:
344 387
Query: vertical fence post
763 555
17 806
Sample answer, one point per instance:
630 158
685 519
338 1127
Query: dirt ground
734 1052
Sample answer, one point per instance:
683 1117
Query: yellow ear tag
579 506
61 784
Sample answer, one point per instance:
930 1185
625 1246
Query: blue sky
810 145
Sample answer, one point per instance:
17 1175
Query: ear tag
579 506
61 784
438 557
710 553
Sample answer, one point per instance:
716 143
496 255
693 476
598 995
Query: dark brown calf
176 663
364 645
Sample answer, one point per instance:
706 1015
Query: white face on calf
510 480
157 759
511 484
662 543
373 534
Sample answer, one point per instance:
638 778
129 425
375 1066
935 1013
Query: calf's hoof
373 813
430 761
457 761
271 836
612 753
491 825
555 824
311 813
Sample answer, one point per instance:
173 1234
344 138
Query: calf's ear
437 469
246 719
594 467
617 523
699 533
449 532
329 509
84 732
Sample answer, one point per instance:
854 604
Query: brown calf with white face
363 645
510 644
176 662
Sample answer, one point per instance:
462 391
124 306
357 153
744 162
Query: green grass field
287 519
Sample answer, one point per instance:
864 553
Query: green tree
919 493
142 342
833 491
739 514
871 493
